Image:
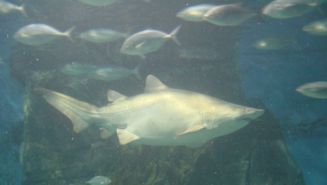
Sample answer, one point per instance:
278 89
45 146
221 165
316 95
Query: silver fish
6 7
316 28
314 89
147 41
194 13
105 73
102 35
161 116
228 15
98 2
99 180
273 43
38 34
284 9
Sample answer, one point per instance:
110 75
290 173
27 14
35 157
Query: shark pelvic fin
152 83
126 137
115 96
193 128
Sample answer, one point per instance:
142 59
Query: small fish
38 34
316 28
284 9
194 13
107 73
228 15
102 35
314 89
272 43
6 7
147 41
98 2
99 180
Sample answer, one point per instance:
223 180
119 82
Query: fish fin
152 83
115 96
140 45
193 128
173 35
136 72
77 111
126 137
78 124
68 33
22 9
105 133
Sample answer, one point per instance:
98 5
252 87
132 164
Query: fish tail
68 33
80 113
173 35
22 9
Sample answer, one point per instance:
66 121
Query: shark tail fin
80 113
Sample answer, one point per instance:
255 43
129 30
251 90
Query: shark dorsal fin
152 83
115 96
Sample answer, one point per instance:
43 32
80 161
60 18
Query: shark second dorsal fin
126 137
152 83
114 96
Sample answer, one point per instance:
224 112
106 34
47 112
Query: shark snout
251 113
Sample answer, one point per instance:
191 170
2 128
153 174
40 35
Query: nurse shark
161 116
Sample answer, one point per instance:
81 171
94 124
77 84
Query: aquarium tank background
52 131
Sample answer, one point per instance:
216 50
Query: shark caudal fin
80 113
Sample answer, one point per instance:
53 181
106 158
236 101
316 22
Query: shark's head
226 117
249 114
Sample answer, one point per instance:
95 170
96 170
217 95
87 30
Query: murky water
167 92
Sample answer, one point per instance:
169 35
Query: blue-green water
214 60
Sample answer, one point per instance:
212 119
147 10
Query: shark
161 116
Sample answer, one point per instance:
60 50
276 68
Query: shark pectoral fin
114 96
152 83
105 133
126 137
193 128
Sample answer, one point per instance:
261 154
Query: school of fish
163 116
